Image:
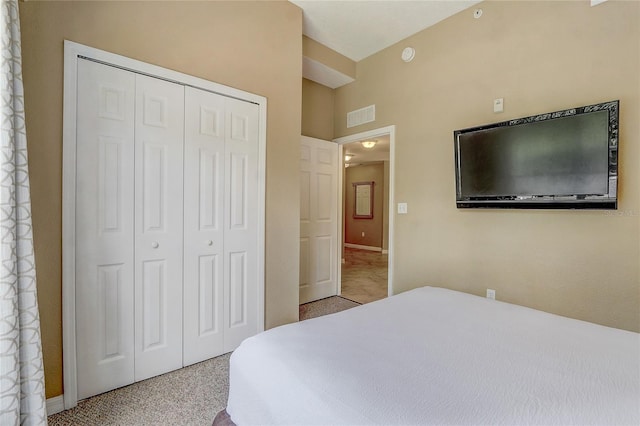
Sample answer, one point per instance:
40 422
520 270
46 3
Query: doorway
367 215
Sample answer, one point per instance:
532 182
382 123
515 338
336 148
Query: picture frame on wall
363 207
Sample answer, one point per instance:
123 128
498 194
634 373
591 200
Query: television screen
565 159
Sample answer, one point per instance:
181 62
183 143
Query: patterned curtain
22 397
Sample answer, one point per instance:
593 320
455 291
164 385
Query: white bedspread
436 356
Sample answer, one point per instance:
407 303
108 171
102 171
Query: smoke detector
408 54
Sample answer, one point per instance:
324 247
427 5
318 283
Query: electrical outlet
363 233
491 294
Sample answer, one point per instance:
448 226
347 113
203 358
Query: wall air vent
361 116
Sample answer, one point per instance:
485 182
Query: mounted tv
559 160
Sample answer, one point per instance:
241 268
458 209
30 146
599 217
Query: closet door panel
203 226
104 228
159 134
240 222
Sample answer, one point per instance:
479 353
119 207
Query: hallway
364 275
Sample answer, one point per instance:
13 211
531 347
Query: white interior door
319 168
203 225
159 132
104 228
241 210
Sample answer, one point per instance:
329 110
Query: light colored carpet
190 396
364 275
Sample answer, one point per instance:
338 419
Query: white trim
361 247
262 208
72 51
391 131
55 405
340 221
70 396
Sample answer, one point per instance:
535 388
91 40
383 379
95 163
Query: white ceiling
360 28
380 152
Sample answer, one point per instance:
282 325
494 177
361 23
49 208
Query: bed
437 356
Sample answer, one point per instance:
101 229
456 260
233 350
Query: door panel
324 259
304 262
238 190
238 289
153 304
109 184
208 286
203 231
240 222
154 165
318 219
159 133
104 228
209 189
110 302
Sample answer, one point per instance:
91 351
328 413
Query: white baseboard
358 246
55 405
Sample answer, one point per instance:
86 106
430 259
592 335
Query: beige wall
317 110
540 56
372 228
254 46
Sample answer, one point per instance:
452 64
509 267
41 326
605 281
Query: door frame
72 52
371 134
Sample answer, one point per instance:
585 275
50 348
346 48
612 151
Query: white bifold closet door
104 228
166 226
220 229
159 135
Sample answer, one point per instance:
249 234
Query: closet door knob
155 244
209 242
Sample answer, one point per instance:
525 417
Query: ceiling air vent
361 116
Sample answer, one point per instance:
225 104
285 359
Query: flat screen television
558 160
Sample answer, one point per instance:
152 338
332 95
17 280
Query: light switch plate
402 208
498 105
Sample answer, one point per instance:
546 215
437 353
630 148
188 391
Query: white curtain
22 397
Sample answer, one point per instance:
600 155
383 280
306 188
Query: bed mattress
436 356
